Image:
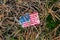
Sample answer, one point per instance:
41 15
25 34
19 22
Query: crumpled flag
25 20
34 18
29 19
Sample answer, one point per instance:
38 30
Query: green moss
49 18
51 24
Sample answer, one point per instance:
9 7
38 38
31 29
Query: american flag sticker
25 20
29 19
34 18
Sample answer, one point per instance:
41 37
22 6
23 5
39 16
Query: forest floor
49 15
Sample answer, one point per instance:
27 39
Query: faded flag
29 19
34 18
